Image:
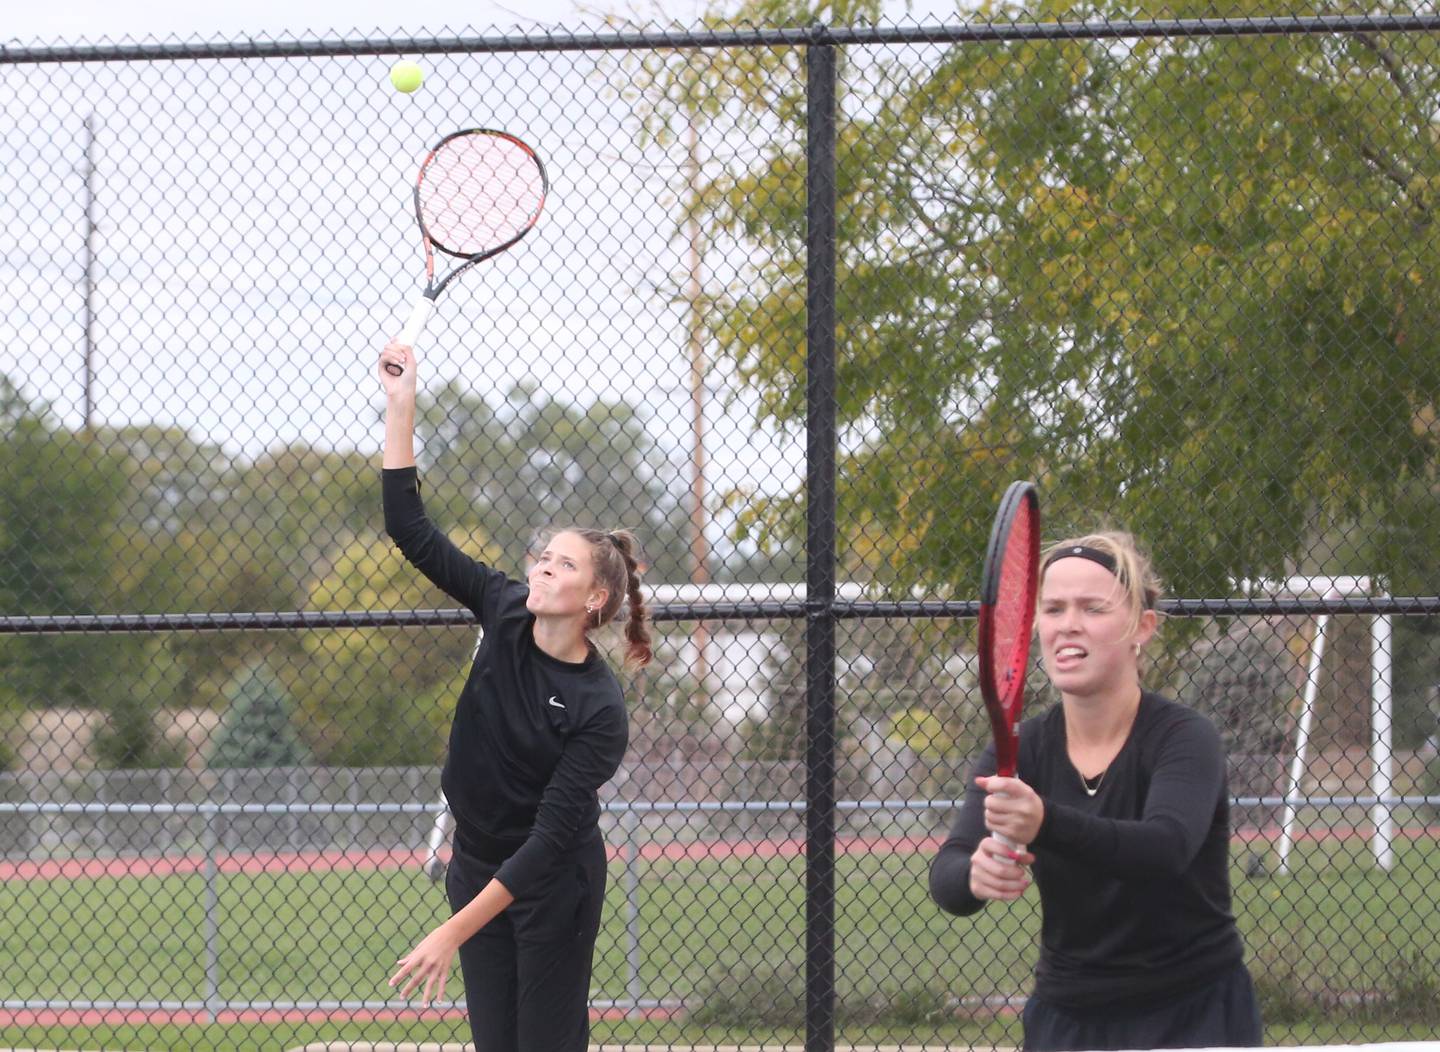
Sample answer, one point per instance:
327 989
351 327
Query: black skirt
1221 1014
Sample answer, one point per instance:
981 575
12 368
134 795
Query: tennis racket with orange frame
479 192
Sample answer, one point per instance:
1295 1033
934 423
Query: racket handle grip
1010 844
414 325
1005 839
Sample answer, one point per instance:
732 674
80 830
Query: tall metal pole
699 545
89 264
820 553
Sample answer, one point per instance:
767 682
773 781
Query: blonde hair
1136 583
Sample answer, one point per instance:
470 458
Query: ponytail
638 649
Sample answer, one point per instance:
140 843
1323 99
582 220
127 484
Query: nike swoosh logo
552 701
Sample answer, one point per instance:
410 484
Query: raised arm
477 586
399 405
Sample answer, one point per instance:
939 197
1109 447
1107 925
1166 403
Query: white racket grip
415 324
1007 841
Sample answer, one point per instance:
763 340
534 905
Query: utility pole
699 545
89 261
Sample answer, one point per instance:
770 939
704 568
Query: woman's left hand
1012 808
428 963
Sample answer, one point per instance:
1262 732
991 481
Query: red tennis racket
479 192
1008 589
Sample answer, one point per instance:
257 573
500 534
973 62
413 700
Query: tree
370 697
203 532
1192 285
536 461
62 497
131 738
257 730
222 570
296 504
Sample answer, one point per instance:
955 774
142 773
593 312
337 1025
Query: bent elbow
950 886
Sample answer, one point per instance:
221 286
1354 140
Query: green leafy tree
297 504
223 571
9 724
258 730
132 735
62 500
373 698
203 531
192 535
176 482
1190 284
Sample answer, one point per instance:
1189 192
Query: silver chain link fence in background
1183 274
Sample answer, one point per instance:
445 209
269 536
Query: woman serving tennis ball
1121 797
539 726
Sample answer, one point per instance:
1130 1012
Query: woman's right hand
999 871
402 357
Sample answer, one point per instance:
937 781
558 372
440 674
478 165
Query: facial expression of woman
562 579
1084 625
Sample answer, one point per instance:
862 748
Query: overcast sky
39 22
253 209
92 19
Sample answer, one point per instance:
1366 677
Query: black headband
1097 556
1081 551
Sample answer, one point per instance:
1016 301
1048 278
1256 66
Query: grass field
1337 944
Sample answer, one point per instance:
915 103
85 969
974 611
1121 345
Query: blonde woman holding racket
1121 799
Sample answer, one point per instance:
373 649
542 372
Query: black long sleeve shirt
1134 882
533 737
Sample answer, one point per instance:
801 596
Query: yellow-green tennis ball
406 76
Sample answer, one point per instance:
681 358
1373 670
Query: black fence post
820 554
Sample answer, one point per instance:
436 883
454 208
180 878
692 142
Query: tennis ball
406 76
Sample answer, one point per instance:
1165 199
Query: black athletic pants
527 972
1221 1014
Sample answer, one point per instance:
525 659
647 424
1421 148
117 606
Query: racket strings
1014 615
479 192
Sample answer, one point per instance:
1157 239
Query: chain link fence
803 301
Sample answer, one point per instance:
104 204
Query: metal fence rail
807 297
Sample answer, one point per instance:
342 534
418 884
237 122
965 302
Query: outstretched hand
428 964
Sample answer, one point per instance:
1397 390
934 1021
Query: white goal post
1381 751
